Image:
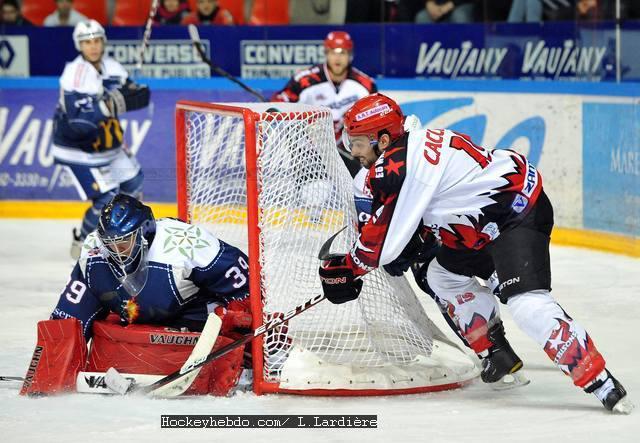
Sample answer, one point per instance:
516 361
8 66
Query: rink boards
584 137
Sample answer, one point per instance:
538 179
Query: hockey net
273 184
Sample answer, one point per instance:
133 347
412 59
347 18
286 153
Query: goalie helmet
371 116
126 228
338 40
87 30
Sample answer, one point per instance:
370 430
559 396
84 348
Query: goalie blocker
133 349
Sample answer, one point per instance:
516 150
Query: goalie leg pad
221 375
147 349
60 353
138 349
563 339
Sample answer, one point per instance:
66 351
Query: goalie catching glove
130 97
339 283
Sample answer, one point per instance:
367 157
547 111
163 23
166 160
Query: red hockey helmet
372 114
338 40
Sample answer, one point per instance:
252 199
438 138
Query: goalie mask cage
273 184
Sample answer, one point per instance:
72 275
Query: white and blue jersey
362 196
83 122
190 272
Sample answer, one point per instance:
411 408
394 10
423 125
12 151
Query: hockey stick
198 363
195 362
323 253
187 373
10 378
147 33
195 39
93 382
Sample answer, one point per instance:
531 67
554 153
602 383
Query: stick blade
324 253
117 382
194 35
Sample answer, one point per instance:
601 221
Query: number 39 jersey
190 272
464 193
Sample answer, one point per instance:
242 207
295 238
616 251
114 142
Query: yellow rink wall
597 240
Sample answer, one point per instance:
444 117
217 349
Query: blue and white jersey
190 272
362 196
84 129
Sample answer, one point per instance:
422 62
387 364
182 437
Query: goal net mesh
305 194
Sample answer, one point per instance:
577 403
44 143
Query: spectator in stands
369 11
171 12
629 9
529 11
447 11
208 13
11 14
64 15
495 10
533 11
317 12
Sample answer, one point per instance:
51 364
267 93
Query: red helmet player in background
335 84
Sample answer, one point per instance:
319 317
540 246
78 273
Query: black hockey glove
420 267
420 274
339 284
418 250
130 97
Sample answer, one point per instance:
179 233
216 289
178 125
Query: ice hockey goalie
139 294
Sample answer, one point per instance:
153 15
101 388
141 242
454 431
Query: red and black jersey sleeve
298 83
363 79
386 177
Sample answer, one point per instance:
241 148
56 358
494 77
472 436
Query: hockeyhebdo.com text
269 421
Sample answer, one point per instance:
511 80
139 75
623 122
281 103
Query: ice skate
611 393
501 367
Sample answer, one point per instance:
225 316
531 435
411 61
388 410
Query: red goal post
273 184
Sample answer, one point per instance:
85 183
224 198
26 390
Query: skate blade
624 406
510 381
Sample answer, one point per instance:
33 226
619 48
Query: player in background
151 272
87 136
490 212
336 84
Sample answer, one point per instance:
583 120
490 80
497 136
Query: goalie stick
178 381
197 363
10 378
195 39
194 364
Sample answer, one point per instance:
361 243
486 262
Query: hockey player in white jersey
417 256
336 84
87 136
490 212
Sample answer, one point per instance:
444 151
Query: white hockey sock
563 339
536 313
470 306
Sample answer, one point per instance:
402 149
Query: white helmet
87 30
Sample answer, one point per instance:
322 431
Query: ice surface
601 291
